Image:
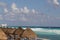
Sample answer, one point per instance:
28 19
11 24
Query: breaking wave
54 31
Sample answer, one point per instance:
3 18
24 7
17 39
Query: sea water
48 33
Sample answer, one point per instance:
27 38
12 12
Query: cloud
22 17
33 11
10 17
26 15
25 10
5 10
16 13
14 8
56 2
2 4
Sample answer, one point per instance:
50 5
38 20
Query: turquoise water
49 33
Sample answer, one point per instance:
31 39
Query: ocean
50 33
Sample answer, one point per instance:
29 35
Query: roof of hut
5 29
2 34
19 31
28 33
9 30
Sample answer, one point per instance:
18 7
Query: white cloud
25 10
56 2
10 17
14 8
11 13
33 11
5 10
21 9
16 13
13 16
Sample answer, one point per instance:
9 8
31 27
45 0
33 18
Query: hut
4 29
3 36
28 33
18 33
9 32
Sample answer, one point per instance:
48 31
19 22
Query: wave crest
55 31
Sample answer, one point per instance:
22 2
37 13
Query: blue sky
30 12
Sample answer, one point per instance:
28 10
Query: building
4 25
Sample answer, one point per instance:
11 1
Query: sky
30 12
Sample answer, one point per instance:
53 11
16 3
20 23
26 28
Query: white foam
55 31
46 30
